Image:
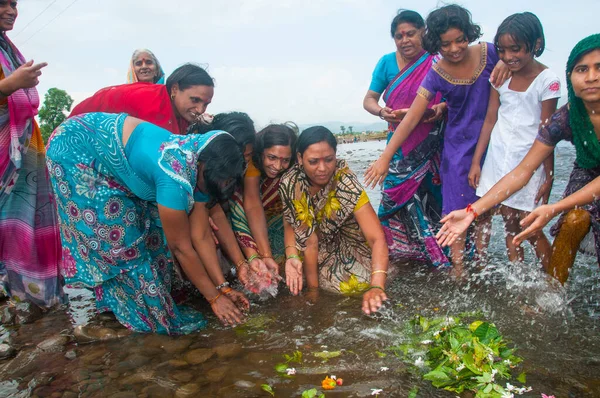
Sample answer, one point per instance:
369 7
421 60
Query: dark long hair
223 167
238 124
440 20
314 135
525 28
188 75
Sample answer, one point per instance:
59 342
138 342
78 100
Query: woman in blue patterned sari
122 186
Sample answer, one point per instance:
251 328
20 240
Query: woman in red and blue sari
411 202
29 236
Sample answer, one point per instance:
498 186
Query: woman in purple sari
411 203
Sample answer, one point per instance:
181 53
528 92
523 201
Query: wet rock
53 344
183 377
27 313
7 351
244 384
71 354
124 394
132 362
258 358
236 392
150 351
88 334
7 315
106 317
217 374
56 394
70 394
176 346
124 333
44 391
226 351
139 377
188 390
199 355
113 374
94 355
153 340
174 363
157 391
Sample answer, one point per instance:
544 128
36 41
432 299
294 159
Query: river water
555 330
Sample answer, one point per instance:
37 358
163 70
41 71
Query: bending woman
578 122
183 100
29 268
411 202
328 217
122 187
257 213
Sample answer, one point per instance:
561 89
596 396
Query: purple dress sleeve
430 85
558 129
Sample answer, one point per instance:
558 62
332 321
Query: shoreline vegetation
364 136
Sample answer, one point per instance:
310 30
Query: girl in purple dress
462 77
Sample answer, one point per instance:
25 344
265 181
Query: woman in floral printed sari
328 217
122 187
29 238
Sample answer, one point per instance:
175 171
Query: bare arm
371 105
539 217
548 108
376 172
491 117
226 236
255 213
457 222
293 264
371 228
177 230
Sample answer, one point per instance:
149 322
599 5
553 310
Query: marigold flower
328 383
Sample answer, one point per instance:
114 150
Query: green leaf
522 378
295 357
413 392
381 354
438 378
269 389
486 332
327 354
281 367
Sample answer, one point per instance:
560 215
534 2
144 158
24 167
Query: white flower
491 357
507 362
508 395
419 362
376 391
510 387
333 377
290 371
437 333
384 369
460 367
426 342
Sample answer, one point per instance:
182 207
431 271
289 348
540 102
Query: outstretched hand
455 225
26 75
227 311
293 275
372 300
239 299
534 222
376 173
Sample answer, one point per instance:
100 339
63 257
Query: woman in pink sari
411 202
29 239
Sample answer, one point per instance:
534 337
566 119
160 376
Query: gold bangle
293 246
265 256
226 290
214 299
379 271
240 263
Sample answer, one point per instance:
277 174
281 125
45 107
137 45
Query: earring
172 97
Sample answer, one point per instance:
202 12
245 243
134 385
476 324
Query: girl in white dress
515 112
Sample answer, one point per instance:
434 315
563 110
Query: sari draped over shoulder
111 232
273 213
146 101
343 249
29 268
411 202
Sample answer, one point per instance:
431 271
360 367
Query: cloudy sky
277 60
